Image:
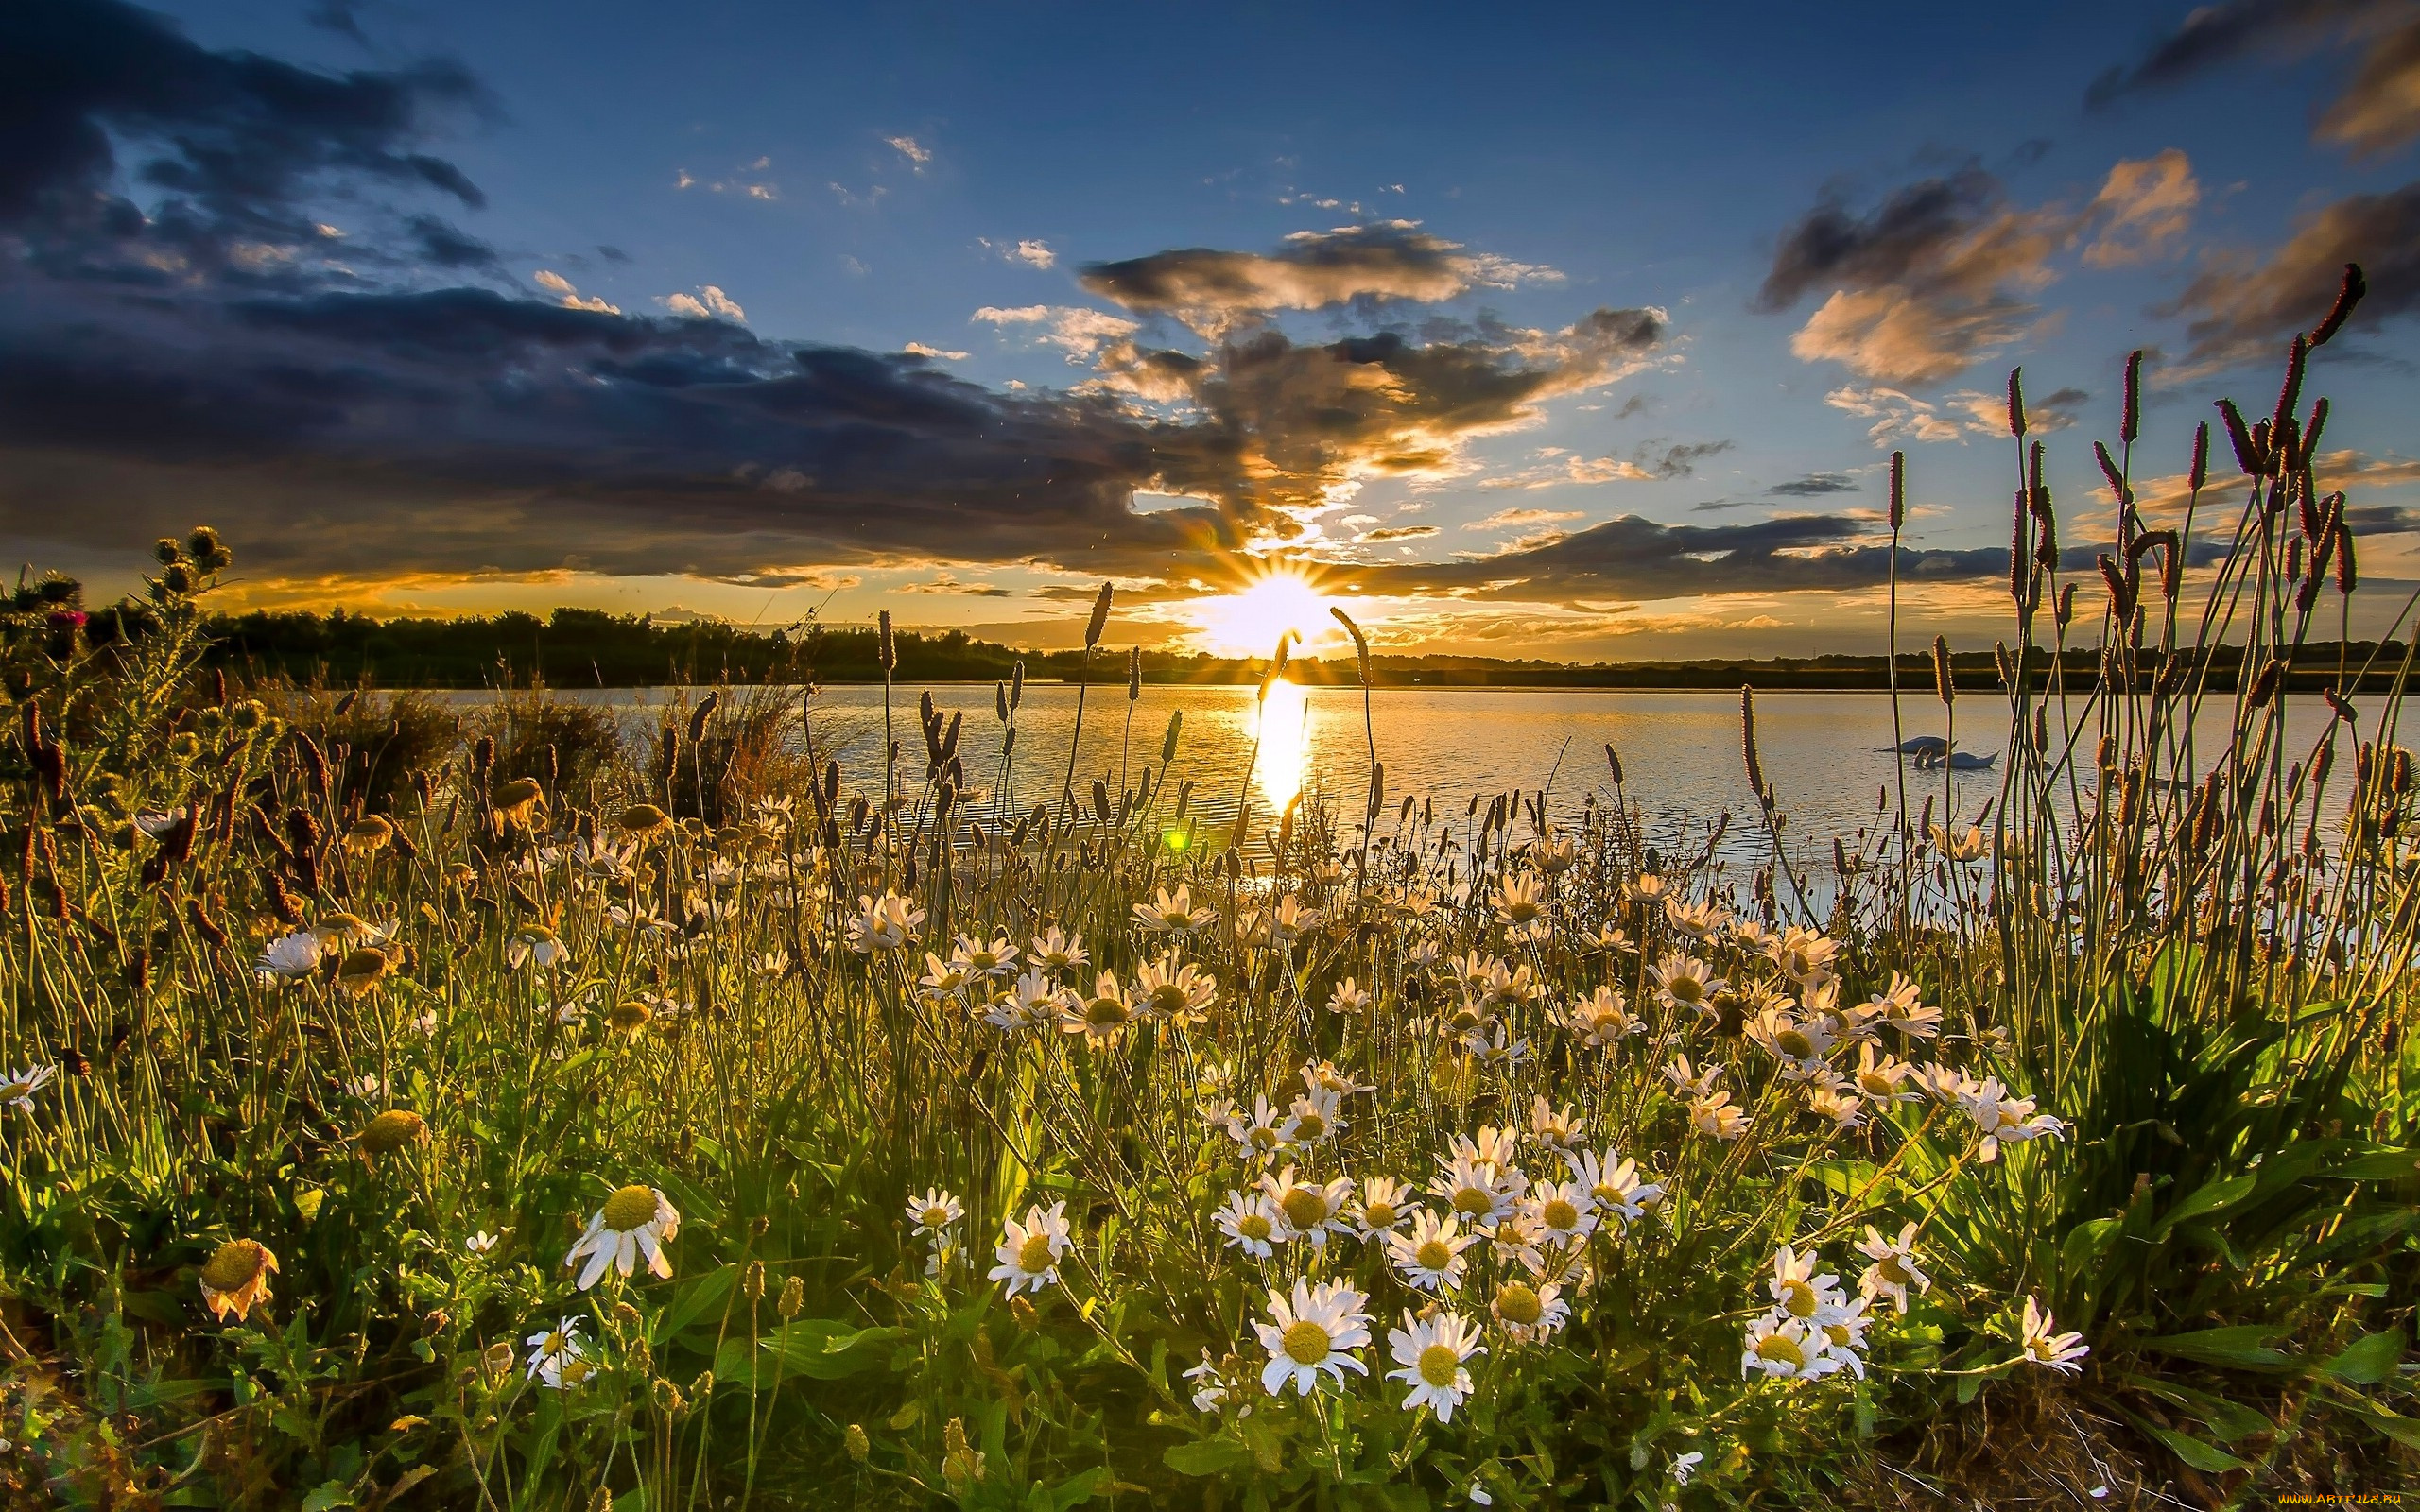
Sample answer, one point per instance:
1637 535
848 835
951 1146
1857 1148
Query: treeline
578 647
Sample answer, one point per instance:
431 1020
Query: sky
1584 332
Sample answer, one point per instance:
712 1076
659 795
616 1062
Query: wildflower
1212 1392
2058 1351
885 925
1843 1111
1613 1184
1556 1129
2003 1119
1520 905
1478 1190
1252 1224
1602 1020
1101 1016
1843 1333
1566 1211
1171 913
1880 1079
1347 997
1698 921
236 1277
1902 1007
1263 1134
1787 1349
18 1090
1895 1267
1686 1466
1689 1080
1497 1146
1682 981
1312 1335
481 1243
1312 1117
291 956
1058 953
557 1358
941 979
1552 852
1614 938
1312 1209
1326 1077
1179 994
1430 1256
362 969
1033 1001
1384 1205
1495 1047
1796 1288
1798 1043
935 1213
1942 1083
1717 1118
394 1129
1029 1252
634 1220
996 961
1289 920
535 944
1432 1352
1528 1314
1647 887
1964 848
1803 955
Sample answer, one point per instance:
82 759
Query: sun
1249 621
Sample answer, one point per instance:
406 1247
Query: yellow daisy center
1304 1208
1307 1343
1034 1255
934 1217
1309 1125
1474 1200
1440 1366
1795 1043
1782 1347
1378 1214
1170 998
391 1130
1799 1298
234 1264
1561 1215
1838 1333
1434 1254
1254 1226
1105 1013
630 1016
1517 1304
1892 1269
630 1208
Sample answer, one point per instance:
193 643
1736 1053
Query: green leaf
328 1495
1207 1456
2243 1347
2367 1360
823 1348
2213 1197
2404 1430
2194 1452
2379 1165
695 1300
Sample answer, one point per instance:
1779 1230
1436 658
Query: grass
917 1147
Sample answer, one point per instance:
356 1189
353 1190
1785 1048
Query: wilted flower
235 1278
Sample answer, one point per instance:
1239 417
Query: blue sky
872 178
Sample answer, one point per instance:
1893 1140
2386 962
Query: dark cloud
340 16
1722 506
1680 459
1209 288
1830 246
613 254
1397 532
2242 309
2376 110
2056 410
1814 484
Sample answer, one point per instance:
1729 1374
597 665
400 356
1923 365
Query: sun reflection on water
1284 730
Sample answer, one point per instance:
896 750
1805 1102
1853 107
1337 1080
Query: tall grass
1003 1158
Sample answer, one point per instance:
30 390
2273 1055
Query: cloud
2378 107
1939 275
1397 532
1507 519
2241 308
912 150
554 283
917 349
1899 416
948 583
1034 254
1079 332
1209 290
1812 485
709 303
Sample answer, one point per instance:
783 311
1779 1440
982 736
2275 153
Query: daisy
1327 1076
885 924
941 979
1610 937
1798 1291
1716 1118
18 1090
1385 1204
1028 1251
1310 1209
1698 921
1902 1007
2058 1351
1034 1002
1058 953
1252 1224
1844 1334
1895 1267
1845 1112
1690 1081
235 1278
1683 982
1799 1042
1101 1015
1347 997
1556 1129
1171 913
1566 1211
1289 921
481 1243
1432 1352
635 1220
1211 1393
1602 1020
1180 994
1787 1348
1476 1189
1967 846
1613 1185
535 944
1495 1047
1520 905
996 961
1882 1079
935 1213
2003 1119
1263 1134
1430 1256
1313 1117
1802 955
1528 1314
1312 1335
291 956
556 1356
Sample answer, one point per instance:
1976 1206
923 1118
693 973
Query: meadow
404 1111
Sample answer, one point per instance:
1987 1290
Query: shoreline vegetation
536 1116
583 648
